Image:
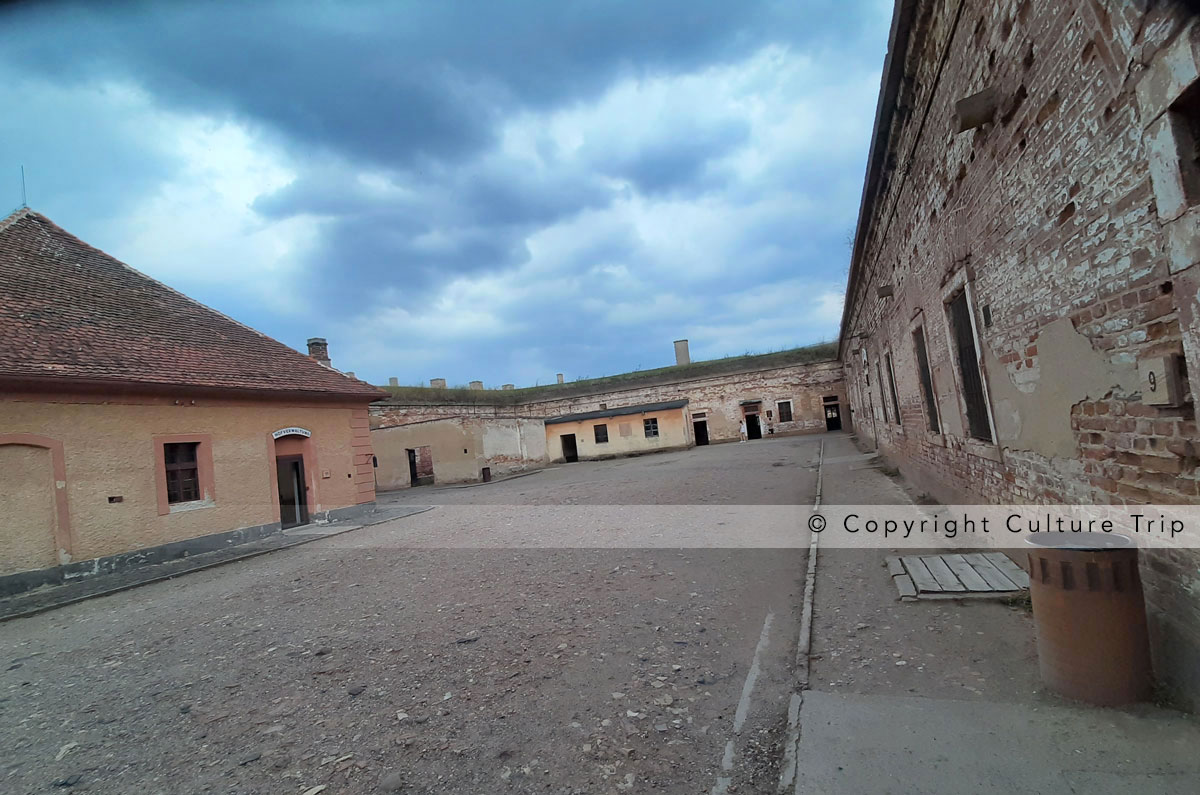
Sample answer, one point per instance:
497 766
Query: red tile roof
71 313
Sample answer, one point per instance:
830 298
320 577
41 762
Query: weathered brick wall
719 397
391 414
1049 213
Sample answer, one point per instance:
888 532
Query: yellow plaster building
137 425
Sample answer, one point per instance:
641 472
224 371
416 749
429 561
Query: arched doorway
292 469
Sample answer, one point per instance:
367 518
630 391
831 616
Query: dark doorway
570 451
753 429
701 429
487 474
413 478
833 417
293 494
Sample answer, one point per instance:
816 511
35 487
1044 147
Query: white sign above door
291 432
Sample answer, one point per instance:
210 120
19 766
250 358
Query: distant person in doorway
742 428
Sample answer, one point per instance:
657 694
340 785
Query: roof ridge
171 289
14 216
109 321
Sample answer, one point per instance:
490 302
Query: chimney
318 349
560 378
507 386
437 383
350 374
476 385
393 381
681 353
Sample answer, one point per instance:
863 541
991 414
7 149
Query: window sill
193 505
980 449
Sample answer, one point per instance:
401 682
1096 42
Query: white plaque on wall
291 432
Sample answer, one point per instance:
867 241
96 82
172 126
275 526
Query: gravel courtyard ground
619 626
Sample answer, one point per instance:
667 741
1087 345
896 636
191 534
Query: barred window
651 427
183 476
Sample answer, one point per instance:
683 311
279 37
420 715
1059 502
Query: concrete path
918 746
944 697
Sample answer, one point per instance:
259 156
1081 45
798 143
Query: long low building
775 394
137 425
1021 320
787 392
608 433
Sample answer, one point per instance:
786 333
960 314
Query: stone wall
719 397
1050 218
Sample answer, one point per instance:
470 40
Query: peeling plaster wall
460 448
454 449
1067 216
1030 412
512 445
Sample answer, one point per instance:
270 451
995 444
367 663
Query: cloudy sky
491 190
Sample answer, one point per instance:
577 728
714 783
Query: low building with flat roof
628 430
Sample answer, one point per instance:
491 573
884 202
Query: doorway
833 417
570 451
701 429
753 429
30 534
413 478
293 493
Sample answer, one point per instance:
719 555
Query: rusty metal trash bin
1090 617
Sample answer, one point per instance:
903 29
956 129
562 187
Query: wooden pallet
955 576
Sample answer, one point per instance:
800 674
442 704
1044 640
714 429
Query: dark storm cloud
362 256
676 158
427 229
390 82
397 121
509 194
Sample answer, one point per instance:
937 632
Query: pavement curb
791 749
129 586
491 482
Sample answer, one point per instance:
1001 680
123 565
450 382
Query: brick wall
1048 216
